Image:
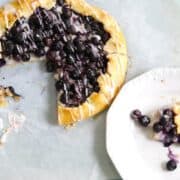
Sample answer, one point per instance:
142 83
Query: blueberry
48 41
70 59
35 20
98 27
92 52
53 55
40 44
173 131
71 29
89 19
136 114
95 40
175 138
66 12
26 57
168 112
17 57
168 127
49 19
60 2
50 66
20 37
8 47
178 136
38 37
157 127
63 54
69 47
40 52
18 50
168 140
57 46
2 62
57 29
64 99
105 36
144 121
75 75
79 45
88 27
96 88
164 120
171 165
59 85
91 74
63 37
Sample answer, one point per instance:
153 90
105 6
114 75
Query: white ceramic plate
135 154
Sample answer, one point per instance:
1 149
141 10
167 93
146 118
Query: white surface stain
16 122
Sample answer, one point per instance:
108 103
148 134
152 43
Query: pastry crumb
7 92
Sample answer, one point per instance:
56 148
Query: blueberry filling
71 43
165 130
167 126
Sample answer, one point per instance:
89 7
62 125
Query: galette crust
110 83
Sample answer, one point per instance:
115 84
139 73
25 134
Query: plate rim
123 175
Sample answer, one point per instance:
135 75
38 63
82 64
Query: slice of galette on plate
81 44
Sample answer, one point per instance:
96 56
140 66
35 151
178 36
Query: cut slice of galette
81 44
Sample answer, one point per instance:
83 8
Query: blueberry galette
81 45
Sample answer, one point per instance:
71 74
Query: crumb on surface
7 92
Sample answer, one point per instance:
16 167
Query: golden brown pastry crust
110 82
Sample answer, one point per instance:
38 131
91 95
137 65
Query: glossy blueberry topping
71 43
